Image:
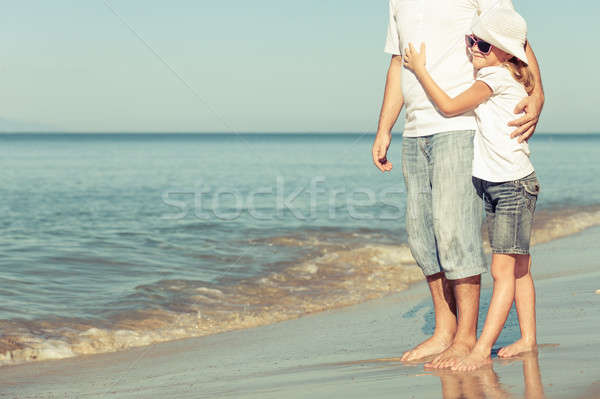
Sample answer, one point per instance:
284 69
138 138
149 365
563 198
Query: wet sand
353 352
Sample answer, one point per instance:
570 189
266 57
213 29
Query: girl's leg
525 304
503 272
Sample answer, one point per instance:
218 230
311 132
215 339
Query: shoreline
351 351
332 277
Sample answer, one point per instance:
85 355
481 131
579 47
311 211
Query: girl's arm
466 101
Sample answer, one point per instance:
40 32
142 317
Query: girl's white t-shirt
499 158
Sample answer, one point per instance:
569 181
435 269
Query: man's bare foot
475 360
451 356
429 347
521 346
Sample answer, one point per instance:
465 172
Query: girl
502 172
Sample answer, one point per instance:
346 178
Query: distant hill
16 126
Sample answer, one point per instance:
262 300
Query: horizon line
237 133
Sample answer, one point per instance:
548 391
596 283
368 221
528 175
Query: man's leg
466 292
445 320
458 217
417 172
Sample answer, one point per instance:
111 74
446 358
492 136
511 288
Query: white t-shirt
498 158
442 26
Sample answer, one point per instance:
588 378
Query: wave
331 275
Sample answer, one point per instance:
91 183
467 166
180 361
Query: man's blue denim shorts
444 215
509 208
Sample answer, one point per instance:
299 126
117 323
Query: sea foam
331 276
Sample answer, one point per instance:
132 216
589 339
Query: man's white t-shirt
499 158
442 26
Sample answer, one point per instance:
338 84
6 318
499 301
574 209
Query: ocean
111 241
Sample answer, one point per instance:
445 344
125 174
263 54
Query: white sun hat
503 28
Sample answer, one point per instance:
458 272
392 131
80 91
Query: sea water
110 241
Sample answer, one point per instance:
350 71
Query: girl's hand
414 60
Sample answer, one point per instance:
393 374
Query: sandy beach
353 352
215 200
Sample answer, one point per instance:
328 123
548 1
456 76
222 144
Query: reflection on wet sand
534 388
485 383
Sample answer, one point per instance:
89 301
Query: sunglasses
482 45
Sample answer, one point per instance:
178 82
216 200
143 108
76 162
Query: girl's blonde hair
521 72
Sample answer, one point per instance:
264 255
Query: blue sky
265 65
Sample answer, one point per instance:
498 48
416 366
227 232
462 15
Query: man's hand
380 147
532 105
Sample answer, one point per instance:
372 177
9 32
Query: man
444 214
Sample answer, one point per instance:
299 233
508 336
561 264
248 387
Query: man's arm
393 101
532 105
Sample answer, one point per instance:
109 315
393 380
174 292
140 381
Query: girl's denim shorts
509 208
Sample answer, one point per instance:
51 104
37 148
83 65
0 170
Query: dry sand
353 352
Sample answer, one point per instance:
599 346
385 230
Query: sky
241 66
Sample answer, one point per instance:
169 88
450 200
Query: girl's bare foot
521 346
429 347
475 360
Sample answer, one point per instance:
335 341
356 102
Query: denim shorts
444 215
509 208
